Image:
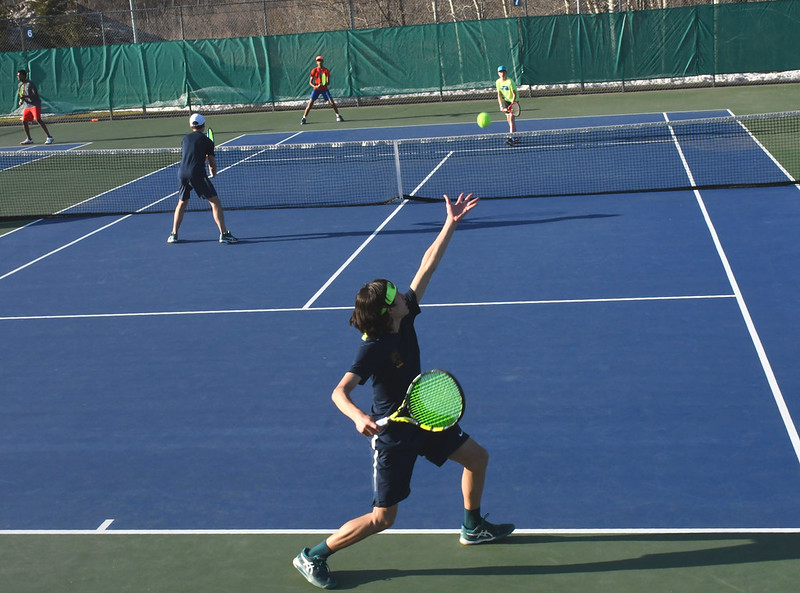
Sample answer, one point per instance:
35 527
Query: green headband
391 292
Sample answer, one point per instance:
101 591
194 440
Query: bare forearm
341 398
345 405
436 251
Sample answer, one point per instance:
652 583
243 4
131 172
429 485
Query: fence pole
133 23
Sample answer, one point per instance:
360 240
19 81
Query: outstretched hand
457 210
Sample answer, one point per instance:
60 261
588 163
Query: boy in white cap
197 149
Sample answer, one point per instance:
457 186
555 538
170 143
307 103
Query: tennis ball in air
484 120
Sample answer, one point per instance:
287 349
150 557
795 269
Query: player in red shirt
319 80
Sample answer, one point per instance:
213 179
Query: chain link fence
110 22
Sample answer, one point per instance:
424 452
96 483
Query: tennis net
746 151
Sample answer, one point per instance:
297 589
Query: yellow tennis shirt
507 88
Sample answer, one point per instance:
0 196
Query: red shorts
32 114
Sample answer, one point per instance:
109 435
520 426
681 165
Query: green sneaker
485 532
314 569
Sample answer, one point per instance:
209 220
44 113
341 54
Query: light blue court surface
629 362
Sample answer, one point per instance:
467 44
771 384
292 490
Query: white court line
105 525
21 227
572 531
70 244
288 138
143 209
100 195
767 152
374 234
791 429
38 219
353 256
350 307
46 156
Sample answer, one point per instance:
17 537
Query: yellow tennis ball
484 120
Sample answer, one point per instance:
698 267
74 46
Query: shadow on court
684 563
431 228
395 563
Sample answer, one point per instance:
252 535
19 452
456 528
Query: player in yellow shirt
506 95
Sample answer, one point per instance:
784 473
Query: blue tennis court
629 359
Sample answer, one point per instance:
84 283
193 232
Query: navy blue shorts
316 93
202 185
395 450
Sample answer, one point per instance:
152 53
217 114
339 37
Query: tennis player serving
506 96
390 354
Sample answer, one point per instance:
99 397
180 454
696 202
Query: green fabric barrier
388 61
612 47
125 75
435 58
659 44
291 58
215 73
756 37
470 52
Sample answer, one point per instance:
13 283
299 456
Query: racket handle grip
382 421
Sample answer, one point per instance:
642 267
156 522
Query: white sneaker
339 117
49 140
302 120
173 238
27 141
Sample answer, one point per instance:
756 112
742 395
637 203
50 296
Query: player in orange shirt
319 80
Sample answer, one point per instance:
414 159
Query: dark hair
367 314
23 72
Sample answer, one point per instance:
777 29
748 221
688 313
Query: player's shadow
424 228
758 548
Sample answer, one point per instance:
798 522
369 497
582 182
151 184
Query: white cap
197 120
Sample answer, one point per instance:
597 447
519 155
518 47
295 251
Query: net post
398 174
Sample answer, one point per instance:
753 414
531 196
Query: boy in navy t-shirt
197 150
390 355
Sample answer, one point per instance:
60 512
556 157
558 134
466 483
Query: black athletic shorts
395 450
201 184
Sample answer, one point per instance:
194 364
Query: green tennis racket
210 134
434 402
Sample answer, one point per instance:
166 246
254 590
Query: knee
482 457
384 523
478 458
383 519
